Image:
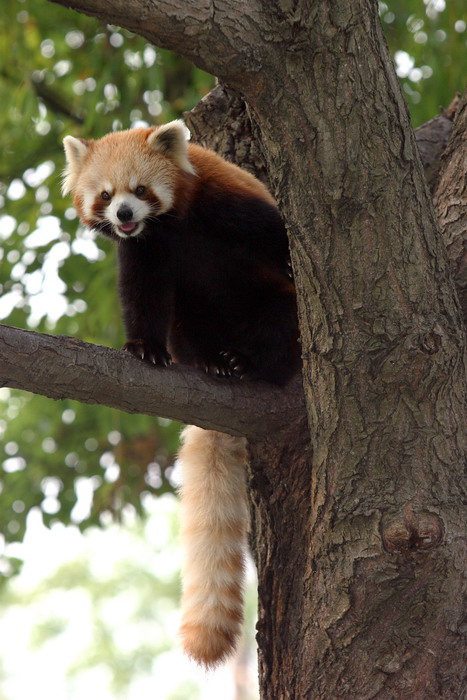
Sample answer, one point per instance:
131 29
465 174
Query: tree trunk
360 540
360 594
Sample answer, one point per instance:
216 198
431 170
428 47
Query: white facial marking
133 182
165 195
139 208
88 203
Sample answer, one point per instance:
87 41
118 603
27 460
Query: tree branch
219 38
59 367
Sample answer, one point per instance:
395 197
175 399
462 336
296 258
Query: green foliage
62 72
428 40
56 454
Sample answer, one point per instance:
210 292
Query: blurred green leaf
428 39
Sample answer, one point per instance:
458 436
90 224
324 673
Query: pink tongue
130 226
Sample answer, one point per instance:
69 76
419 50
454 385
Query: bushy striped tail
214 529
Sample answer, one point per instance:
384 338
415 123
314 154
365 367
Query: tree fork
221 122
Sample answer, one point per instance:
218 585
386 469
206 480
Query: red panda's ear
75 150
171 140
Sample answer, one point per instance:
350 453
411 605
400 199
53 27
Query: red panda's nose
125 213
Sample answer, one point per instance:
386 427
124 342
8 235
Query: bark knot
412 531
430 343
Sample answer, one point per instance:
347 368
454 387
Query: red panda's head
126 178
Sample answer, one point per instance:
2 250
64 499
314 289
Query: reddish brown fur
213 169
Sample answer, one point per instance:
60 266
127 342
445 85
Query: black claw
156 355
227 364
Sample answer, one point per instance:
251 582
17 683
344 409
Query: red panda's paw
235 365
150 352
227 364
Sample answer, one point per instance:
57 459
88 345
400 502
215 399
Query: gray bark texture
450 199
358 525
61 367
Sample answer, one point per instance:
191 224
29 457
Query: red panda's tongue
128 227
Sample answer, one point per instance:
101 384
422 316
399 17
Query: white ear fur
171 140
75 150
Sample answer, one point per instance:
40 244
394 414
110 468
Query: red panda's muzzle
128 227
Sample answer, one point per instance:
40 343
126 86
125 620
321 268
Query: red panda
203 278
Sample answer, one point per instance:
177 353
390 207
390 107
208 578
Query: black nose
125 213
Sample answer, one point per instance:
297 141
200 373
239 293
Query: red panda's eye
105 196
140 190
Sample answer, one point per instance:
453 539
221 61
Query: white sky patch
87 247
434 7
62 67
48 230
8 302
84 488
7 226
416 75
36 176
14 464
75 39
16 190
139 123
46 288
59 252
17 271
404 63
52 305
149 56
33 282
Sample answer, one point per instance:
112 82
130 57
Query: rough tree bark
450 197
61 367
272 549
358 531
